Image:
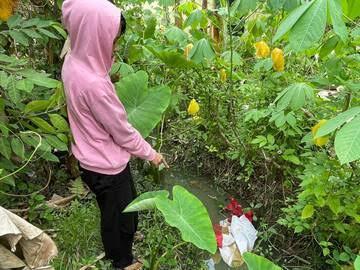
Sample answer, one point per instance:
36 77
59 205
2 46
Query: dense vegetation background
260 96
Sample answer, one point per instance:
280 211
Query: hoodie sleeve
110 113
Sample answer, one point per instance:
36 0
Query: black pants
113 194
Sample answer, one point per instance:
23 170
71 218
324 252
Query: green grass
79 242
78 236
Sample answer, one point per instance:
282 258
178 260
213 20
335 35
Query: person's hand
158 160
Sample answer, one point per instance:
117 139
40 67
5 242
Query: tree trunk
204 4
178 16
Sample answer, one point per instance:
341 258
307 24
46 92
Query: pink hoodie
103 138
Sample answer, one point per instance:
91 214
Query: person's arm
110 113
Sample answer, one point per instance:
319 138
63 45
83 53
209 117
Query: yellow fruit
193 107
7 9
320 141
262 49
187 50
223 75
277 56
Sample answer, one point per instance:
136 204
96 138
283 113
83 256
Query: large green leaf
291 20
4 79
9 180
31 22
18 147
295 96
19 37
49 157
14 21
347 141
25 85
308 211
150 27
337 121
336 15
329 46
256 262
47 33
31 33
59 122
357 263
245 6
202 51
40 79
196 18
236 58
5 148
144 106
189 215
13 92
37 106
56 143
310 27
43 125
175 34
13 61
146 201
353 9
172 58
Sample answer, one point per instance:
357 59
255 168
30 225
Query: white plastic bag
239 236
244 233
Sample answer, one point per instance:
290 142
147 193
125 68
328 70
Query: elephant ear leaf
144 106
188 214
146 201
256 262
357 263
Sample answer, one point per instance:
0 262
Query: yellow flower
320 141
262 49
223 75
7 9
277 56
193 108
187 50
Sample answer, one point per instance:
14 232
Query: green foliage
347 145
336 15
347 142
253 129
146 201
310 27
175 35
357 263
287 24
184 212
28 131
78 239
306 24
328 192
190 216
144 106
295 96
307 212
23 31
256 262
202 51
172 58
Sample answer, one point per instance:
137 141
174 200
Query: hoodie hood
92 26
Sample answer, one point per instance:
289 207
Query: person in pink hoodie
104 140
